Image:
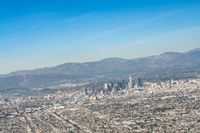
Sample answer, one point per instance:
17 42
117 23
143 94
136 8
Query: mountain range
165 65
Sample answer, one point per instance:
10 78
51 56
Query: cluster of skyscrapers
113 87
135 83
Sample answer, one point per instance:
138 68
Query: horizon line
89 61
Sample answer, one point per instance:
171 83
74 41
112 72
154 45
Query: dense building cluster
137 106
113 87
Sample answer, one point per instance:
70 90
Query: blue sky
39 33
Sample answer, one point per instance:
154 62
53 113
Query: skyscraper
105 86
130 83
85 90
139 82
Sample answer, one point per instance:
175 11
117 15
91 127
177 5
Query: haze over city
99 66
39 33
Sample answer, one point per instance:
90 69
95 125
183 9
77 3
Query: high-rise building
139 82
85 90
124 84
110 87
111 84
130 83
106 86
119 85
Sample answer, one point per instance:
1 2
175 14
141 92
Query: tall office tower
139 82
124 84
85 90
170 83
119 85
105 86
110 87
130 83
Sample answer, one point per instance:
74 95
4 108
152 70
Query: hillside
164 65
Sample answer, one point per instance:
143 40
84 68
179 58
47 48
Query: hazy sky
38 33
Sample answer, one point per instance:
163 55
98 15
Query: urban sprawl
132 105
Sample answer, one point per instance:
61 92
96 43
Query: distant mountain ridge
168 63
